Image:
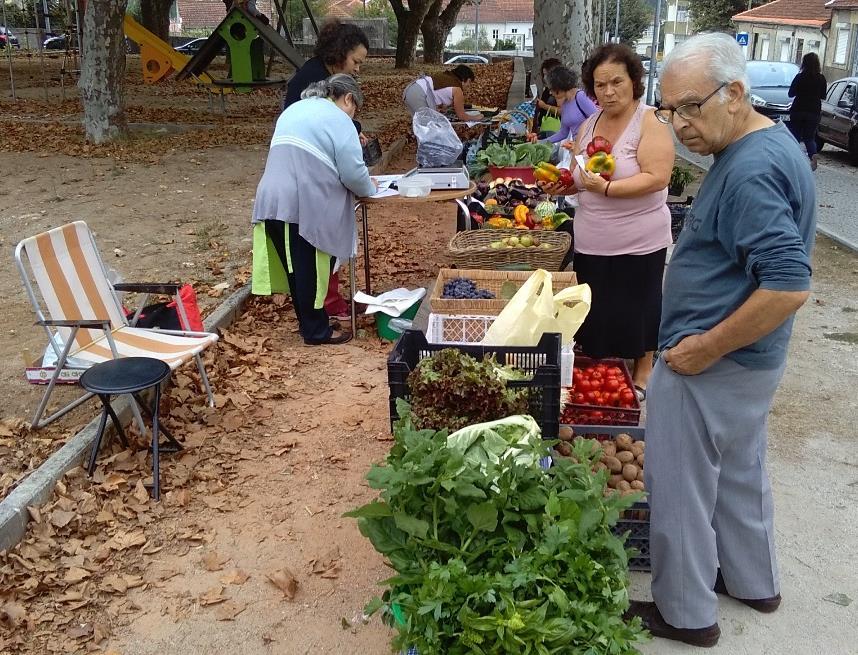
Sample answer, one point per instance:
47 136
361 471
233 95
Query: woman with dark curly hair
340 48
622 225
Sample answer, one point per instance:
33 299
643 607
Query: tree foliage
717 15
466 44
635 17
23 14
381 9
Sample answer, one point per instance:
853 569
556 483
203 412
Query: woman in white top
442 90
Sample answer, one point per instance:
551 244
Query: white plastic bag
437 141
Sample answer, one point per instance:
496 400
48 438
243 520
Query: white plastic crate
452 330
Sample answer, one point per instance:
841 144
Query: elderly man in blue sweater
740 270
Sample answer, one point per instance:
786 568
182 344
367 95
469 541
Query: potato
623 441
640 475
563 449
642 444
600 466
637 485
609 447
565 433
623 485
639 460
636 449
625 457
613 464
628 492
630 472
615 480
608 492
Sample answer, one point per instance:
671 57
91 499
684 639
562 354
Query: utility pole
653 60
9 56
477 29
617 24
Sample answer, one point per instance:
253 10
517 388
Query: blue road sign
742 38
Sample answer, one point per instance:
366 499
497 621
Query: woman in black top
546 102
808 88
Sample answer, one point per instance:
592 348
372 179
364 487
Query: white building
499 20
785 30
677 25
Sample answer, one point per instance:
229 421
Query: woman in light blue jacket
303 215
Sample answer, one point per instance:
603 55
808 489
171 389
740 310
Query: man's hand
690 356
364 139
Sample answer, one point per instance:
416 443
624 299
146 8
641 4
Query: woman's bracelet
607 186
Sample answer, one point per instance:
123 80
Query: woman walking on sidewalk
808 88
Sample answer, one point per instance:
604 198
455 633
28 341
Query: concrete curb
38 486
516 89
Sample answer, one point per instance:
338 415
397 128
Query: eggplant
518 194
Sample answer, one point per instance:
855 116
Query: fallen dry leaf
212 561
236 577
76 574
213 596
229 610
285 582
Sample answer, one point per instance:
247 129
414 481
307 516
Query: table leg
353 290
363 216
156 463
102 423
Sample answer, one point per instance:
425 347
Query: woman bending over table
442 90
303 215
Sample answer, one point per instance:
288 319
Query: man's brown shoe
655 623
764 605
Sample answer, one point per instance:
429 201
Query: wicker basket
472 249
491 280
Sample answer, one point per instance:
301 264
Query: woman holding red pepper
622 225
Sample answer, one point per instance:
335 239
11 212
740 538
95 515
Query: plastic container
540 362
523 173
415 186
392 327
587 414
634 520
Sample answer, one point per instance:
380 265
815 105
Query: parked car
191 47
56 42
770 81
838 124
8 39
467 59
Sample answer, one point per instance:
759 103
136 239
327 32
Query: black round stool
130 375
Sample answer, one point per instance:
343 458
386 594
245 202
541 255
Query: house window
514 30
682 15
785 50
764 47
813 46
841 47
495 34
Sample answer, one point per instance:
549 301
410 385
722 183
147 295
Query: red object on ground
335 304
192 310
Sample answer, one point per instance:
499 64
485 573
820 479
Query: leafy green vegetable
525 154
492 442
513 559
451 389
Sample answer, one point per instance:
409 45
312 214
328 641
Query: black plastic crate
540 362
634 520
678 212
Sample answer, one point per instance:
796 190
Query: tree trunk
408 23
102 75
436 27
155 15
565 29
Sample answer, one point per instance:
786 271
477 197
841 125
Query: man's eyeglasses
687 111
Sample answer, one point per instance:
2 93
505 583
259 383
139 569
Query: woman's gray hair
335 87
722 59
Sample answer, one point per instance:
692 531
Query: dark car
8 39
56 42
770 81
838 124
191 47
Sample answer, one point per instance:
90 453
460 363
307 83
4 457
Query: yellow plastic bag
535 309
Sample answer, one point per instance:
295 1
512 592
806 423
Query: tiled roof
499 11
812 13
842 4
202 14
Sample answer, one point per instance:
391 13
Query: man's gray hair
721 58
335 87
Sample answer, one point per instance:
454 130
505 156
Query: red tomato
597 375
628 397
579 398
597 414
583 385
615 398
616 370
611 384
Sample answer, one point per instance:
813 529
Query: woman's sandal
343 337
640 392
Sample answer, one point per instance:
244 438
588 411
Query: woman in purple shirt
575 106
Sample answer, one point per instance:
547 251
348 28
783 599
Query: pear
513 241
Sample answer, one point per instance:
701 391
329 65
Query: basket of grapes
483 292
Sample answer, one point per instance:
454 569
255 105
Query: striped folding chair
82 314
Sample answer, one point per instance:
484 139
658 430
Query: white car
467 59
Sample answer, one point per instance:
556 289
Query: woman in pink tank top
622 226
